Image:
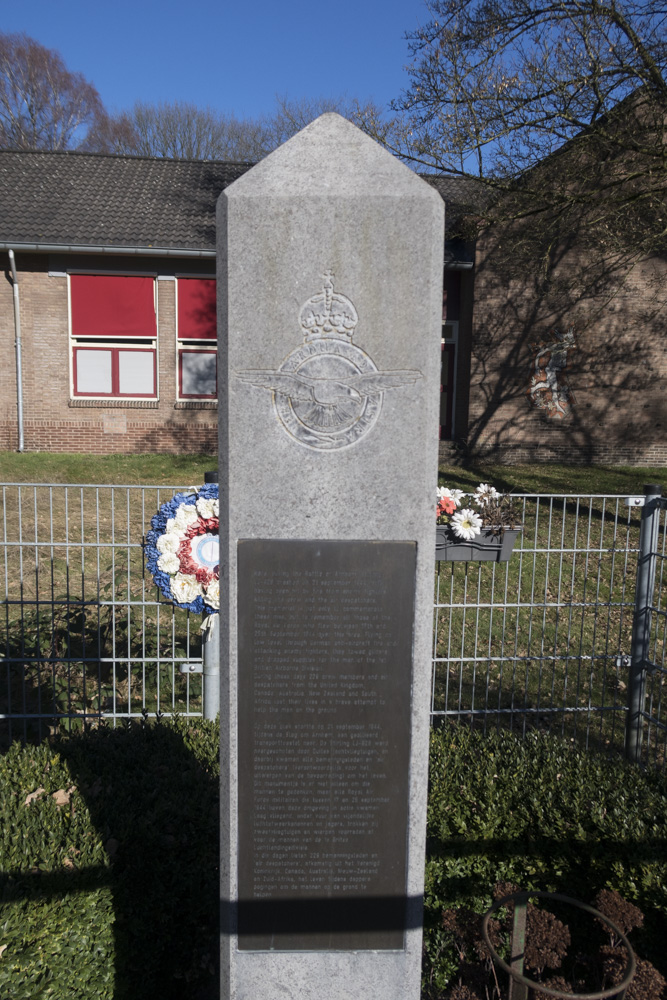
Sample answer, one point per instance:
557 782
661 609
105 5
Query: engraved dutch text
325 672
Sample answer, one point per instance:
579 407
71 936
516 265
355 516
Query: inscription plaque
325 673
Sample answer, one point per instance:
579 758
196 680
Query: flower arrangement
486 510
182 549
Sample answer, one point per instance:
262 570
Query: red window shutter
110 305
196 309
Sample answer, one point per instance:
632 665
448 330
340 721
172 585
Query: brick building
115 265
576 372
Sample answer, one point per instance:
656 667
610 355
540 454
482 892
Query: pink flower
446 505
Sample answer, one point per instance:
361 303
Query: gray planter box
487 547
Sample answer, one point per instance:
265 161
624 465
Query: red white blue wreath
182 550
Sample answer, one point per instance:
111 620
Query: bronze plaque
324 683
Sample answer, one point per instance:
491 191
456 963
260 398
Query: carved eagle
327 391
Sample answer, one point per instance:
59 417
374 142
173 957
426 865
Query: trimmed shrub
543 815
109 852
109 862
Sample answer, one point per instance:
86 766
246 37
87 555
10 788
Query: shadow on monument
340 923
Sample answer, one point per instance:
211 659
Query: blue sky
232 56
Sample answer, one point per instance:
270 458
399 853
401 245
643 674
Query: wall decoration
549 389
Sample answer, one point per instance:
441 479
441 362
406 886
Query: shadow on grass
153 799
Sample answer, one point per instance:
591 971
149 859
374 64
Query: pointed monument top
328 156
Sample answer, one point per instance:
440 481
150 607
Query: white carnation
169 563
169 542
213 593
186 515
185 588
207 508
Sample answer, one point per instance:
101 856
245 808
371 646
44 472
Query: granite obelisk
330 256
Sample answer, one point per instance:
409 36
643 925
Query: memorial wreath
182 549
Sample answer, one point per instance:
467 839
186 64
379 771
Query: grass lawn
181 470
125 470
119 888
554 478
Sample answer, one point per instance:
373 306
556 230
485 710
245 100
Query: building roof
88 199
91 200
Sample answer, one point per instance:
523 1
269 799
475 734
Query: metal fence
543 641
85 634
549 639
647 723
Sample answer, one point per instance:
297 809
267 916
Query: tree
185 131
43 105
291 116
179 130
557 108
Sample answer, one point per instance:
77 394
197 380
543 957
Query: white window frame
192 344
107 343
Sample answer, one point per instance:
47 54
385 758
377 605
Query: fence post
210 652
211 667
641 625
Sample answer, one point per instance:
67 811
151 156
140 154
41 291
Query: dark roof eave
21 247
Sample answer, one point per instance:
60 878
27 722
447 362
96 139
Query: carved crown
328 314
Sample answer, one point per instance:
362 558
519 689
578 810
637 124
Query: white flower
454 495
213 593
484 493
185 516
207 508
466 524
185 588
171 525
169 563
169 542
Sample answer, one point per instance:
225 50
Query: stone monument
330 257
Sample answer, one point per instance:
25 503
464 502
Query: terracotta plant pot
487 546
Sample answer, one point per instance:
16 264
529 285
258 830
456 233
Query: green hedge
114 893
543 815
110 874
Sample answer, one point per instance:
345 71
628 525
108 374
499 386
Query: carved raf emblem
327 394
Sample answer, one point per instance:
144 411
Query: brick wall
55 422
616 372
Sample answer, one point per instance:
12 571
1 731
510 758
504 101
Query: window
196 335
451 308
113 334
114 371
197 374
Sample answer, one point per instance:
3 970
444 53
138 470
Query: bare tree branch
42 104
185 131
555 107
